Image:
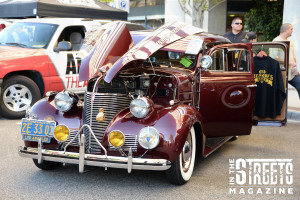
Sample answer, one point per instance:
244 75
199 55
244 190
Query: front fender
173 123
44 109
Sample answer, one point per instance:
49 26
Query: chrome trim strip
96 160
96 84
92 133
92 106
251 86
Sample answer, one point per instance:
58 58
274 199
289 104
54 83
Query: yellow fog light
116 138
61 133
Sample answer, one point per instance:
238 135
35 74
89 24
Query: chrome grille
75 142
130 142
112 105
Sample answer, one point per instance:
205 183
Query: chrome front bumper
83 159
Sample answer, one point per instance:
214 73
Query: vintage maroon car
152 106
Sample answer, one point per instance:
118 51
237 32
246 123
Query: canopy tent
59 8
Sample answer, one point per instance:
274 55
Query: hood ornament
100 116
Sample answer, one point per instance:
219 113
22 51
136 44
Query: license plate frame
33 130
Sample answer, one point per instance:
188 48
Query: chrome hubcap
17 97
187 154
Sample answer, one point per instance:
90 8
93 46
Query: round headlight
149 137
140 107
116 138
61 133
63 101
205 61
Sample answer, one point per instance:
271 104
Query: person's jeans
296 83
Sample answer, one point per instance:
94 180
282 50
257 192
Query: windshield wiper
17 44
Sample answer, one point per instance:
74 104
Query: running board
212 144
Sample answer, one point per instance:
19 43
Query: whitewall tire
182 169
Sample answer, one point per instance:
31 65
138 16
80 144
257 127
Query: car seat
76 40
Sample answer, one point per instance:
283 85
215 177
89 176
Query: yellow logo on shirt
236 55
262 77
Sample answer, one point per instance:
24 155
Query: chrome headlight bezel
149 138
63 101
205 61
140 107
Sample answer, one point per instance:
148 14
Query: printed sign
261 176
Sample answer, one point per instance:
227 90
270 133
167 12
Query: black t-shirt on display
269 93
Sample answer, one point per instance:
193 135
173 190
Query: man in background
236 35
286 31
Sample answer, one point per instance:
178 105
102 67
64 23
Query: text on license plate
33 130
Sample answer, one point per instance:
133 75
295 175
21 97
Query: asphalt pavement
20 179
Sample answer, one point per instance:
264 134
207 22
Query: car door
277 53
227 91
67 65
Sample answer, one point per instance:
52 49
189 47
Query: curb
294 115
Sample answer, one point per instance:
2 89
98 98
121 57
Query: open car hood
103 46
101 59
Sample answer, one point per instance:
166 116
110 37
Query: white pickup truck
31 65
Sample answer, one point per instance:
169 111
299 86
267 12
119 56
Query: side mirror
63 46
205 61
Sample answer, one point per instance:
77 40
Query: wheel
182 169
47 165
17 94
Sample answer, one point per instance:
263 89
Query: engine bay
158 87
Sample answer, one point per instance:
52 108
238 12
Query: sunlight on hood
99 53
103 46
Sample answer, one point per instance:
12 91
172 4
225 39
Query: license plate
33 130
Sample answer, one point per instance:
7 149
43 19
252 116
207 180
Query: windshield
28 34
181 53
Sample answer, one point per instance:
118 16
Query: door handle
251 86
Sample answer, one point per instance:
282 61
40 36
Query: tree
265 18
196 9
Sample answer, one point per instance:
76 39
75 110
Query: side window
217 60
238 60
73 34
230 60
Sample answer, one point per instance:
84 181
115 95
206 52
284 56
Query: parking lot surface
20 179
